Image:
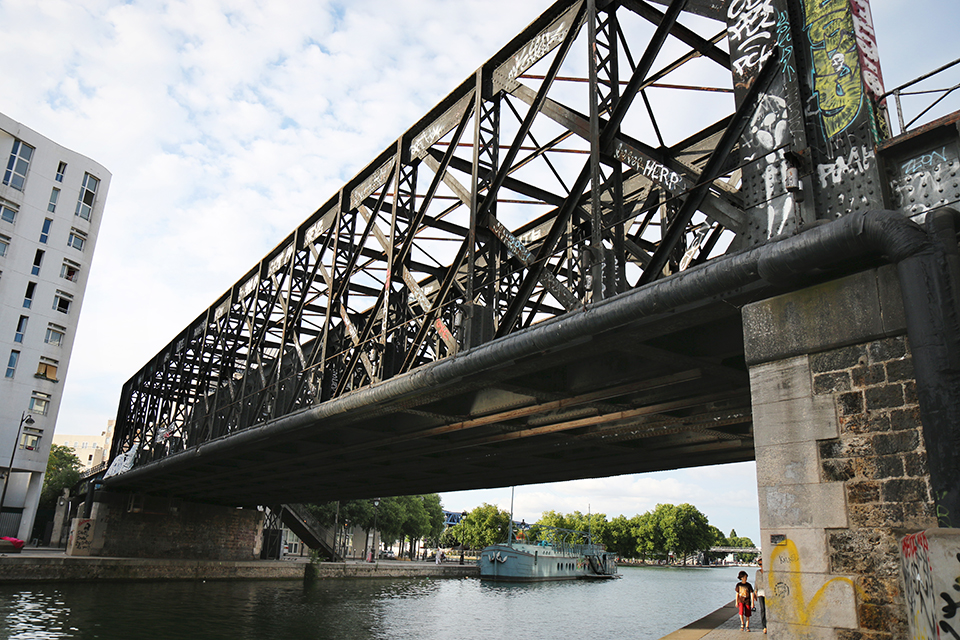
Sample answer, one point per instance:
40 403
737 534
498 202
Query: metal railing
898 93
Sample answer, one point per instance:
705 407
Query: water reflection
647 602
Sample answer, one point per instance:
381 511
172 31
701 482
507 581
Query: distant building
51 205
91 450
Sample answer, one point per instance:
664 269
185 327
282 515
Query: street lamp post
376 546
25 418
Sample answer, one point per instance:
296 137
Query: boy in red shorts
745 598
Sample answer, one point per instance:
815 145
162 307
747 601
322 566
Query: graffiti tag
649 168
785 45
791 604
749 31
918 583
857 162
836 65
924 162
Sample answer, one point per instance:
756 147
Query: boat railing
565 541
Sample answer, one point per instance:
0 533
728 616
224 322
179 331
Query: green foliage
63 471
482 527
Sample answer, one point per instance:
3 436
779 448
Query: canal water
646 604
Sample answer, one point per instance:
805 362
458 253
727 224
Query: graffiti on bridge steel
837 81
751 31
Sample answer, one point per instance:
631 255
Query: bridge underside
655 392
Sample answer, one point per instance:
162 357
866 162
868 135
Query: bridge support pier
138 526
841 465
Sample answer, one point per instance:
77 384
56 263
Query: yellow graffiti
837 82
785 595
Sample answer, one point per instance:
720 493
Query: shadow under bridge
627 385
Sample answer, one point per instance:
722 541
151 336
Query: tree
621 537
743 542
482 527
687 531
651 542
63 471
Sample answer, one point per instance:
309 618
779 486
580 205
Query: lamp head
29 419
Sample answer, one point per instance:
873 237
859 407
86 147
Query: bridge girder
521 198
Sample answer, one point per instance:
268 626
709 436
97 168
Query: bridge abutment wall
841 465
136 526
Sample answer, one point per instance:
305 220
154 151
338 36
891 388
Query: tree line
407 520
668 531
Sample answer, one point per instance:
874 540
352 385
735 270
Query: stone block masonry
878 458
156 528
841 466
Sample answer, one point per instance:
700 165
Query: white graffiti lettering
857 162
536 49
749 31
649 168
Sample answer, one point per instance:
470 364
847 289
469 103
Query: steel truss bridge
540 280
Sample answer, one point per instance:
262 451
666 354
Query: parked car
388 555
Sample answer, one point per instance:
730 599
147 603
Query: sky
226 123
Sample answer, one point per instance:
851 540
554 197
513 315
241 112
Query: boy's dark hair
742 574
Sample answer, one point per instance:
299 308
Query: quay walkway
722 624
37 564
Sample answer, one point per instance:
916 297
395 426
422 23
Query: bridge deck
616 389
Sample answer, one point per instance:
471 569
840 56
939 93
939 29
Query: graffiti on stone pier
918 586
837 81
930 564
790 603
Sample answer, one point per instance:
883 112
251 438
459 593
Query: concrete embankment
38 565
722 624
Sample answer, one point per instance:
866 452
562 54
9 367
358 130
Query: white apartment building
51 205
90 450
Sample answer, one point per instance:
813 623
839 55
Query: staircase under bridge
639 237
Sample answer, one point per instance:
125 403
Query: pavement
722 624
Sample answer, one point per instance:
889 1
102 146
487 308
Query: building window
62 302
37 261
55 334
87 194
12 363
61 169
83 445
54 196
30 440
21 329
4 245
47 369
16 173
39 403
76 239
70 270
45 231
28 296
7 214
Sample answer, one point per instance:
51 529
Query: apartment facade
51 206
91 450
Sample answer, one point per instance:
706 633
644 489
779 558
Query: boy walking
745 599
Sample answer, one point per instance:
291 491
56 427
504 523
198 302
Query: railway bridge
640 237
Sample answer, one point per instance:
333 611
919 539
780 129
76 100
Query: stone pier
841 466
